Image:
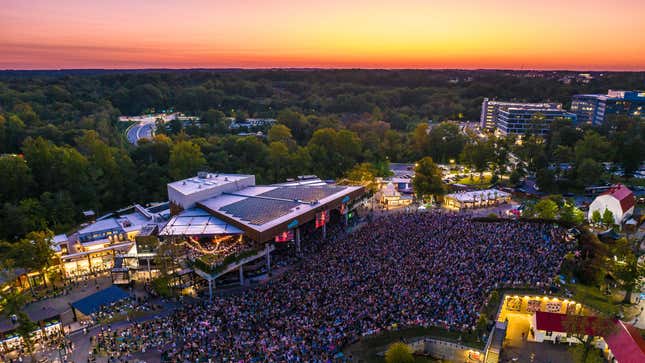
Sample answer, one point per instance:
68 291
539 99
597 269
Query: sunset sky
517 34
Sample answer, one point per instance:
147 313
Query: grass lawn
367 348
594 298
475 180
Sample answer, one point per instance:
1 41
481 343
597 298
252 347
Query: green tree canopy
596 217
282 134
399 353
478 155
608 218
186 159
427 179
363 174
545 208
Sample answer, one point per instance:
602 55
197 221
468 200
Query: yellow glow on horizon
307 33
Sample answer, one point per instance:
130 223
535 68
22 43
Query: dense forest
64 151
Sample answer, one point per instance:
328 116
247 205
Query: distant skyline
436 34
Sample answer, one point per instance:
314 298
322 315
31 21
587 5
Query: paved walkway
60 305
537 353
82 342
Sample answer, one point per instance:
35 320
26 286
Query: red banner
322 218
284 237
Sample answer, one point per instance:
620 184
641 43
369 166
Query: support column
346 218
241 275
149 270
324 231
268 259
210 290
298 239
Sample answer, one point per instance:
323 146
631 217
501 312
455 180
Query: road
142 130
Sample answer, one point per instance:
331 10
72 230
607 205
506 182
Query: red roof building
624 342
618 199
624 196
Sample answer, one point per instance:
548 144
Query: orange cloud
549 34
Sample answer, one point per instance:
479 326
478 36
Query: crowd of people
123 308
421 269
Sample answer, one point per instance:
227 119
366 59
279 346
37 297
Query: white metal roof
210 181
478 195
196 221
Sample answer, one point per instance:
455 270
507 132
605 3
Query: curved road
142 130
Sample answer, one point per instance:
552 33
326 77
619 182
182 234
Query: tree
585 328
592 146
399 353
15 178
545 179
427 179
588 172
569 213
445 142
535 124
24 330
420 140
592 264
478 155
296 122
14 302
333 152
582 355
516 175
186 159
545 209
596 217
608 218
279 159
626 268
363 174
501 149
282 134
532 151
215 120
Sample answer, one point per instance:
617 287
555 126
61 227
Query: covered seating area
93 303
476 199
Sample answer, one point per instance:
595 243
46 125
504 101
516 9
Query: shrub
399 353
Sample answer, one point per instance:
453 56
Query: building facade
594 108
533 121
491 109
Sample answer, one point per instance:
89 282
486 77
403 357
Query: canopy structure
197 222
91 304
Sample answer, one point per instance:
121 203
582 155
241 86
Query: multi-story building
594 108
491 109
533 121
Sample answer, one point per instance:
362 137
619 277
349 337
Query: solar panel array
303 193
259 211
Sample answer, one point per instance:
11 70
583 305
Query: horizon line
323 68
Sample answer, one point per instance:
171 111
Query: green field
475 180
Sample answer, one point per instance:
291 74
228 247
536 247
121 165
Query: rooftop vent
202 175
